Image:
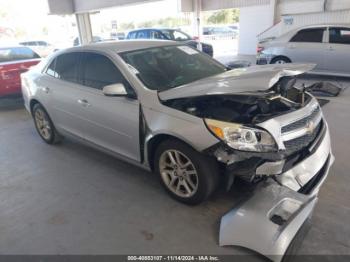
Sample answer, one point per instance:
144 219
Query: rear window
309 35
17 54
65 67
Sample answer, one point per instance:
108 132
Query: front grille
300 123
299 143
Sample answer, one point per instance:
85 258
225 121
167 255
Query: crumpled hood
243 80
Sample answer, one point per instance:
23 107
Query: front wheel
187 175
44 125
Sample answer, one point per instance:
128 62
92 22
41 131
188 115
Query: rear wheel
187 175
44 125
281 60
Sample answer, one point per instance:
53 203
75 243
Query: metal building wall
336 17
298 13
253 20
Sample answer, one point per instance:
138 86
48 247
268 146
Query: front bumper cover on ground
269 220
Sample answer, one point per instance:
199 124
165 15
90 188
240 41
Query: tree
225 16
126 26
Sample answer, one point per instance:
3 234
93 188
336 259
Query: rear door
110 122
338 50
60 92
307 46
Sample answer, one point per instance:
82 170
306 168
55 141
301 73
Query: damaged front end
262 132
275 135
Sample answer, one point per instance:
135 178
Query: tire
44 125
280 60
187 176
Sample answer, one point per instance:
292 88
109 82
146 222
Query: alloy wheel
178 173
43 124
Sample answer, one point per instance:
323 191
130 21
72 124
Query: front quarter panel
168 121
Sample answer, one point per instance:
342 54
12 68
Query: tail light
259 49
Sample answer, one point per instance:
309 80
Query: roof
286 36
123 46
325 25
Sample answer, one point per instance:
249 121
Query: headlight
241 137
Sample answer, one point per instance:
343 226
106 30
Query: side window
156 35
339 36
179 36
309 36
142 34
65 67
51 69
132 35
99 71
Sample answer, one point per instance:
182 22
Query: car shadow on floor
11 103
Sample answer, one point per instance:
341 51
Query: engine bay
245 108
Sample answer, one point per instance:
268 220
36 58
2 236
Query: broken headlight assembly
242 137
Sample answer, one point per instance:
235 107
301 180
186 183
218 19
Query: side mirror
115 90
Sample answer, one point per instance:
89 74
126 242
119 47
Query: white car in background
220 32
42 48
328 46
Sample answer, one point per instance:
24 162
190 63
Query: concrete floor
71 199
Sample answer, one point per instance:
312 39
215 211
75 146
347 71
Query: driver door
111 122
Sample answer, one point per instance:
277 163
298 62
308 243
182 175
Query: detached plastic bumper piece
268 221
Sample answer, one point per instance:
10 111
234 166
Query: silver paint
112 124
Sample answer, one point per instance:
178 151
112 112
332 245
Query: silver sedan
174 110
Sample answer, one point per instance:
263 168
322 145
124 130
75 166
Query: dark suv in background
169 34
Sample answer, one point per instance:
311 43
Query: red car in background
14 61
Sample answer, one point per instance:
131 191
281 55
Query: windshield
163 68
176 35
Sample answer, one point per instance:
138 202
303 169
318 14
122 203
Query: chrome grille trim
306 130
299 124
274 125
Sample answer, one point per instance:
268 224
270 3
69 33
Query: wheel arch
153 142
32 103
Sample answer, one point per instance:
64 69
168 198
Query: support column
273 8
197 23
84 27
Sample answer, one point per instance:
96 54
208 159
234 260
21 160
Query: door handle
45 90
84 102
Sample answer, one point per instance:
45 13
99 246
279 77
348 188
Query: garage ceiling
63 7
59 7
